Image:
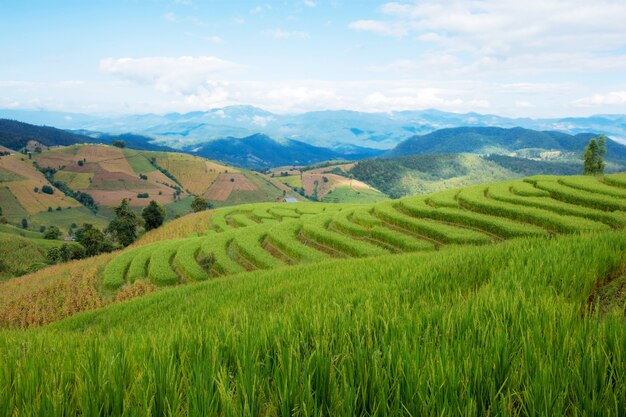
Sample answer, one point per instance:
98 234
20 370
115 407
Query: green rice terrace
267 236
505 299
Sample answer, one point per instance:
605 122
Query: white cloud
284 34
181 75
309 3
381 28
510 37
610 99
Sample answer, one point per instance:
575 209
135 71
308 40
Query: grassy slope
497 330
278 235
334 190
423 174
18 199
20 255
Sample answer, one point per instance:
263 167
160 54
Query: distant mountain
260 151
16 135
331 129
495 140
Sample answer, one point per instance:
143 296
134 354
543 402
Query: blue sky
538 58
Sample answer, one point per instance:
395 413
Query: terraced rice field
268 236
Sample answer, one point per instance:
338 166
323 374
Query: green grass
18 255
138 161
64 218
11 208
179 207
440 232
186 260
268 235
7 228
347 195
497 330
291 180
138 268
75 180
476 200
9 176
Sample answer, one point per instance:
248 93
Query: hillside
104 175
327 182
22 196
265 236
438 297
425 173
494 140
16 135
260 151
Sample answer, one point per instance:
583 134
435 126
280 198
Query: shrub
47 189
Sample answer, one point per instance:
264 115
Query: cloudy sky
538 58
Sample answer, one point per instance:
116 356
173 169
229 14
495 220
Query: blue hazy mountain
330 129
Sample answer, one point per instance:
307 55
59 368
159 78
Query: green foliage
47 189
93 240
143 195
24 224
52 233
153 215
200 204
64 253
594 155
124 224
118 143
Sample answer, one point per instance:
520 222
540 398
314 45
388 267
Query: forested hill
495 140
16 135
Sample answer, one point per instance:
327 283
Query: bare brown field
114 197
226 184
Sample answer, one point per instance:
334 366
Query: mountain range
495 140
334 129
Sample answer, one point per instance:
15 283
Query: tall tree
124 224
153 215
594 156
93 240
200 204
601 154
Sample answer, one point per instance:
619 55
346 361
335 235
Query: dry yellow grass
194 173
36 202
227 183
75 180
24 168
199 223
52 293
